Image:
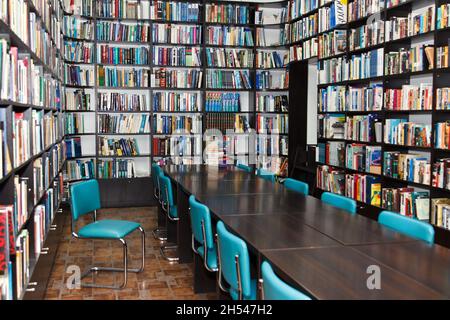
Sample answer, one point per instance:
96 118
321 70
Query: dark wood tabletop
276 232
428 264
341 273
314 246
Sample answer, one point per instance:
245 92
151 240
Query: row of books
122 55
176 34
272 37
74 123
299 8
366 36
401 27
272 80
442 57
80 169
407 202
224 79
177 146
418 58
176 101
331 126
125 9
363 188
175 11
332 43
270 16
361 157
229 36
272 103
73 147
307 50
25 82
360 66
442 135
77 100
409 97
304 28
229 58
226 122
274 59
359 9
78 28
169 124
403 132
78 75
78 7
442 18
116 101
342 98
7 249
408 167
123 123
277 145
119 147
364 128
220 101
443 98
227 13
79 51
116 168
332 16
122 77
165 78
177 56
108 31
272 124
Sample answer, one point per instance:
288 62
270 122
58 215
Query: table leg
184 228
204 281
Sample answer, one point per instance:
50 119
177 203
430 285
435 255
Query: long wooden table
313 246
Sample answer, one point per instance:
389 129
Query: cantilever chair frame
205 255
159 234
238 272
125 268
166 209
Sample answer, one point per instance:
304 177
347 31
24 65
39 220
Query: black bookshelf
438 77
34 286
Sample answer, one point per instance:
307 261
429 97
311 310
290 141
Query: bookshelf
32 152
217 100
391 94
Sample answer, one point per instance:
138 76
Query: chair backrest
229 247
167 194
156 169
84 198
339 201
275 288
266 175
200 213
295 185
244 167
409 226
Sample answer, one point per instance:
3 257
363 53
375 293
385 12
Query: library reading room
224 150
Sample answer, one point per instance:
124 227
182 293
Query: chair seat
234 295
212 257
108 229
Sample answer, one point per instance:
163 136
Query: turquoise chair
266 175
339 201
85 198
295 185
273 288
159 234
171 210
409 226
202 233
245 168
234 265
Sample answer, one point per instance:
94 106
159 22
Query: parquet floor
159 280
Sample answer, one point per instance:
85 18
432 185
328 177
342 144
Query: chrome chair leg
160 234
125 268
164 252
